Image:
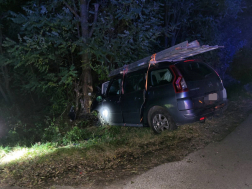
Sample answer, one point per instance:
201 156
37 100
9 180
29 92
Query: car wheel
160 120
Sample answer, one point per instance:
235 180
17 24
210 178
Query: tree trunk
86 70
87 84
86 76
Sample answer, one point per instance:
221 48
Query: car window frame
156 69
143 72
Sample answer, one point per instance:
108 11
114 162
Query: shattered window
160 77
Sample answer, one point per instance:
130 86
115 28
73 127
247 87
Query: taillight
202 118
179 83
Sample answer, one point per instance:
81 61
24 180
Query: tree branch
95 19
72 10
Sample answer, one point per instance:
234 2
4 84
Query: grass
42 162
102 136
18 153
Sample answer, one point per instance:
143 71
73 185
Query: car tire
159 119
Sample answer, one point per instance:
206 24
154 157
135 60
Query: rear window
193 71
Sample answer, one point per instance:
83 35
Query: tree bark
86 70
87 83
86 76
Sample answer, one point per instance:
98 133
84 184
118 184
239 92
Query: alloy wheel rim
160 122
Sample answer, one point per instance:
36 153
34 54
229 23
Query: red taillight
202 118
179 83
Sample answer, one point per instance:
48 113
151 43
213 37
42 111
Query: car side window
115 87
160 77
134 82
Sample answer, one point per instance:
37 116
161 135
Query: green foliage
45 57
20 133
4 151
74 135
52 134
125 32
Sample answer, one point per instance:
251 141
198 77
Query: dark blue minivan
175 93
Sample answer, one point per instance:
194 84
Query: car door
112 102
132 99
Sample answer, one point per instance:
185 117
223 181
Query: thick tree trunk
86 76
86 70
87 84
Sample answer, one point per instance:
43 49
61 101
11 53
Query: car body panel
131 106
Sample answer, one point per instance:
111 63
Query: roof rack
175 53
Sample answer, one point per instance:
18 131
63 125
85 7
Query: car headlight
105 113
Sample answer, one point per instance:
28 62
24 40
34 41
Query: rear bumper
193 115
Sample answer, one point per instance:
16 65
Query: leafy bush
51 134
74 135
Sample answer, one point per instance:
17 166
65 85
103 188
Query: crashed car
162 96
